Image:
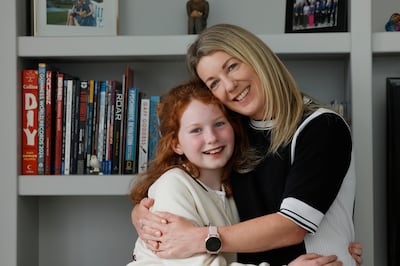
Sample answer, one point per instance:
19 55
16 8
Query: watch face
213 244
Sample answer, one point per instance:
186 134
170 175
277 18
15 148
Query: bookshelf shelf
173 45
74 185
385 42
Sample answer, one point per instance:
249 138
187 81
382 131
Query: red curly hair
170 111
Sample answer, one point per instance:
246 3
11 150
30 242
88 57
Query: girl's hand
355 249
313 259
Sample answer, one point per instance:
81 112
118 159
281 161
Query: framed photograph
316 16
75 17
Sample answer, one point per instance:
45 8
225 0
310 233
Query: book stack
74 126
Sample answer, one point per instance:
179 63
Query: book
89 124
110 124
49 122
143 142
41 117
153 126
74 126
128 81
95 122
82 127
68 125
101 121
58 136
30 105
117 138
130 159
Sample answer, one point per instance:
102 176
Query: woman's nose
229 84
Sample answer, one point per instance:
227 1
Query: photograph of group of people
309 14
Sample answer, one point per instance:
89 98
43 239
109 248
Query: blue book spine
153 126
101 114
131 131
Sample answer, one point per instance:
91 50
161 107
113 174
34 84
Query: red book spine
48 160
30 100
58 124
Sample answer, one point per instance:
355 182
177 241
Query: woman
300 198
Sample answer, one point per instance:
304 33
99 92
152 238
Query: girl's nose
210 136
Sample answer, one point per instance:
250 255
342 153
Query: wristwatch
213 242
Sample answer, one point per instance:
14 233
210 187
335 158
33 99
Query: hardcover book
49 122
101 122
89 124
30 105
128 81
117 138
143 143
68 125
83 95
41 117
153 126
58 124
131 131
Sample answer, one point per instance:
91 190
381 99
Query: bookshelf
85 220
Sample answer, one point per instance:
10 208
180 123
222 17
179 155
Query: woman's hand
142 219
313 259
355 250
180 238
166 234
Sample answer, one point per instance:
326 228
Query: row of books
73 126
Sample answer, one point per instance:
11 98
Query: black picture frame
334 20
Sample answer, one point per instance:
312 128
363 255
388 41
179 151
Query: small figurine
95 164
197 11
393 23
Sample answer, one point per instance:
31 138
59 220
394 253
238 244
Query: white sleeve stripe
311 228
302 214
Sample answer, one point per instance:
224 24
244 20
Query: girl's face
235 83
205 137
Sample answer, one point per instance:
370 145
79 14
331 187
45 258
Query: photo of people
85 13
314 14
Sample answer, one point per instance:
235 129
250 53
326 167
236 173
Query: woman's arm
177 237
172 236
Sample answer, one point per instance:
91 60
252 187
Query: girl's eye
195 130
220 123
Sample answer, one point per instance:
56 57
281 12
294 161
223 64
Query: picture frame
322 16
69 18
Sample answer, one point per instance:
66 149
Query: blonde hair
283 99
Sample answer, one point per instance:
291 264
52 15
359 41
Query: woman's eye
232 66
213 85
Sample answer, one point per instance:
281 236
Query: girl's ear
177 148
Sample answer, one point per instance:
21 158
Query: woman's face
235 83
